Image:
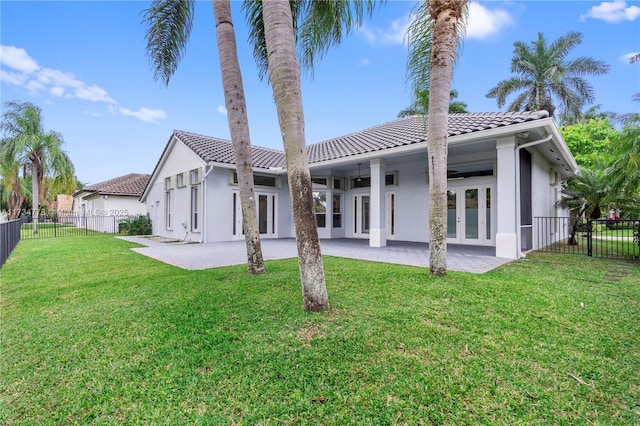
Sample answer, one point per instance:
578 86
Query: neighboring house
111 199
504 170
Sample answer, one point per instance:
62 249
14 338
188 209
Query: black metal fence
9 238
607 238
69 225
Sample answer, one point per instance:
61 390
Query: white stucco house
504 170
114 198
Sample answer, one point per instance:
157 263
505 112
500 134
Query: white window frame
195 215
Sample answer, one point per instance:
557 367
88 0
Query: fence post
589 238
86 228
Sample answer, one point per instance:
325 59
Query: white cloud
57 91
13 78
393 34
365 61
93 114
93 94
221 109
145 114
484 22
613 12
17 59
26 73
626 58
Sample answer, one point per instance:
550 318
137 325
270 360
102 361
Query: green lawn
92 332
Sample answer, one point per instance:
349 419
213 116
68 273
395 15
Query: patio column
377 231
507 233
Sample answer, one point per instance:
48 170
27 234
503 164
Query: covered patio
461 258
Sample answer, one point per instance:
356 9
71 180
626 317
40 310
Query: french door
362 212
266 211
469 215
361 215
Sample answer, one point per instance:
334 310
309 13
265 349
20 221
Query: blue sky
84 64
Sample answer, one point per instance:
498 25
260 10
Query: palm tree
420 105
12 185
275 27
591 113
587 193
284 74
433 39
625 167
169 26
27 142
545 77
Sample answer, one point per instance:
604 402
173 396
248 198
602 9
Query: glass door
266 211
469 215
361 212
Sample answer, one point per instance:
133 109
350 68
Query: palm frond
169 24
419 36
325 23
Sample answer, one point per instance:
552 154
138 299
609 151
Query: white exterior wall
219 208
412 202
284 212
546 192
180 159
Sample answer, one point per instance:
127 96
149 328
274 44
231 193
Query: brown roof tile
131 184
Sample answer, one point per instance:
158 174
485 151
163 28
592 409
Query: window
391 178
259 180
319 182
167 209
194 176
180 180
320 208
461 171
365 182
235 209
167 183
195 203
337 211
339 183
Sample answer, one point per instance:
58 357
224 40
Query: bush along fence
9 238
69 225
606 238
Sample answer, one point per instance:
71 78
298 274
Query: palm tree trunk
239 130
35 208
446 15
284 74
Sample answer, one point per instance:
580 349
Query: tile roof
131 184
221 150
405 131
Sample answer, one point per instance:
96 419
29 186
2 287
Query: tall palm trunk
446 15
35 190
284 74
239 129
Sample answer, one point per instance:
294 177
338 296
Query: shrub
136 225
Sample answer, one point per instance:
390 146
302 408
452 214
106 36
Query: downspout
208 169
518 221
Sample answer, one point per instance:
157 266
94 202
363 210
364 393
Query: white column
377 231
507 231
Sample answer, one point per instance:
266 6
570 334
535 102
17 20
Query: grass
93 332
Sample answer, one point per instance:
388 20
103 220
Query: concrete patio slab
473 259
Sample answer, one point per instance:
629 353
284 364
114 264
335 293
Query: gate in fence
62 226
606 238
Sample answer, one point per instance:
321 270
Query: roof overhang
555 150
